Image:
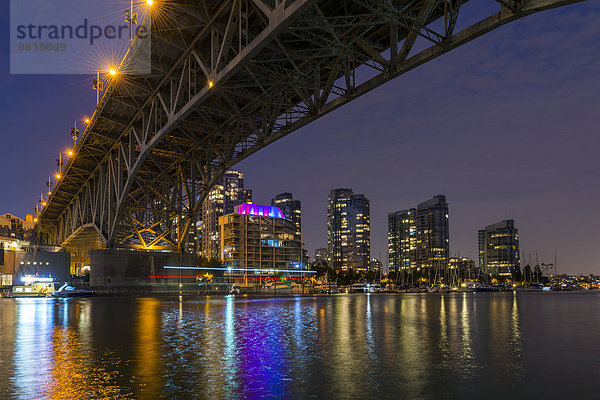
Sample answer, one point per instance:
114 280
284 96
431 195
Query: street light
49 185
74 134
59 164
131 18
112 71
98 86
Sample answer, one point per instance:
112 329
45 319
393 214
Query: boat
374 288
38 289
66 291
438 289
276 288
327 288
242 289
474 286
536 287
359 288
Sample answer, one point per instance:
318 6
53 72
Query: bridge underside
229 78
79 243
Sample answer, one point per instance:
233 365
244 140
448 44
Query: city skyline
492 113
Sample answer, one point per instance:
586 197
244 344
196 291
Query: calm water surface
529 345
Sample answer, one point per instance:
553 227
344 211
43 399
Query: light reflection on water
346 346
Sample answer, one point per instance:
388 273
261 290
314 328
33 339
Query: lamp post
49 185
131 18
98 86
59 164
74 135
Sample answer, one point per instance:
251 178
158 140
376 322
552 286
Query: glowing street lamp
59 164
49 185
149 2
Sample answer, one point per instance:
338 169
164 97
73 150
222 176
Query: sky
506 126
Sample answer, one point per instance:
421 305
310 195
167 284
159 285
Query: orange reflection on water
75 373
147 348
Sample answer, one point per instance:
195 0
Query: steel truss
229 78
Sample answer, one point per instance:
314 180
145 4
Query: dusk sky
505 126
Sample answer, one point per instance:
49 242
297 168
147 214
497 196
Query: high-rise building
258 240
418 238
433 242
292 210
402 239
225 195
348 230
321 254
499 248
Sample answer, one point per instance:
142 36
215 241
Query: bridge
227 79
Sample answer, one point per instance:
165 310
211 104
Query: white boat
474 286
374 288
66 291
241 289
276 288
359 288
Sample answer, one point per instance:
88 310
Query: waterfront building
348 230
225 195
376 264
419 237
20 259
402 239
321 254
257 241
292 210
13 227
499 248
433 242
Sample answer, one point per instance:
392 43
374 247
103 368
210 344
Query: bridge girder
228 78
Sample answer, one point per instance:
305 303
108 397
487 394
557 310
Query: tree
527 273
209 263
537 272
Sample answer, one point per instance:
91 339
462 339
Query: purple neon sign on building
259 211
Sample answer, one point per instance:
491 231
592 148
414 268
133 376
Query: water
346 346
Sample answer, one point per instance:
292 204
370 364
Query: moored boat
276 288
359 288
67 291
38 289
474 286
